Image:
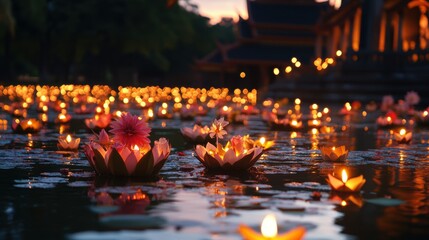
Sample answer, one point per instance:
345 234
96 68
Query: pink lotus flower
237 143
103 138
130 131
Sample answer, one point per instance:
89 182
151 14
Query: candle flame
389 119
344 176
269 226
425 113
29 123
150 113
163 111
262 140
343 203
68 138
402 132
136 148
333 149
225 108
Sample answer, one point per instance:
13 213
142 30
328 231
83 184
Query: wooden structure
277 34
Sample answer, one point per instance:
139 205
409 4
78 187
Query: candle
334 153
403 136
269 231
68 143
26 126
345 184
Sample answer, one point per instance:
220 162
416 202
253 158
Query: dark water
46 194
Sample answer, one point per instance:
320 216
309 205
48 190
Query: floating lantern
234 156
26 126
314 123
63 118
130 154
68 143
261 142
403 136
99 121
163 112
334 153
269 231
197 134
345 184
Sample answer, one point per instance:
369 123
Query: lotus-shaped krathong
197 134
334 153
269 231
234 156
261 142
403 136
99 121
129 152
31 125
63 118
68 143
344 184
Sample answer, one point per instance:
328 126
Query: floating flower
217 128
68 143
119 160
231 157
334 153
412 98
261 142
403 136
31 125
345 184
130 131
197 134
269 231
130 154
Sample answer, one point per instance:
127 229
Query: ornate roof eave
298 41
336 17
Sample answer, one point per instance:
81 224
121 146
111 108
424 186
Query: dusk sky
216 9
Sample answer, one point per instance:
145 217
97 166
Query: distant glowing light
339 53
276 71
242 75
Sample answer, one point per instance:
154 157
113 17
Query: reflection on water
56 195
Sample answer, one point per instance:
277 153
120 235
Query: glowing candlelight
29 123
403 136
334 153
262 140
68 143
269 226
344 176
150 113
68 138
345 184
269 231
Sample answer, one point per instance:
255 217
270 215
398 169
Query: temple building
348 44
277 34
